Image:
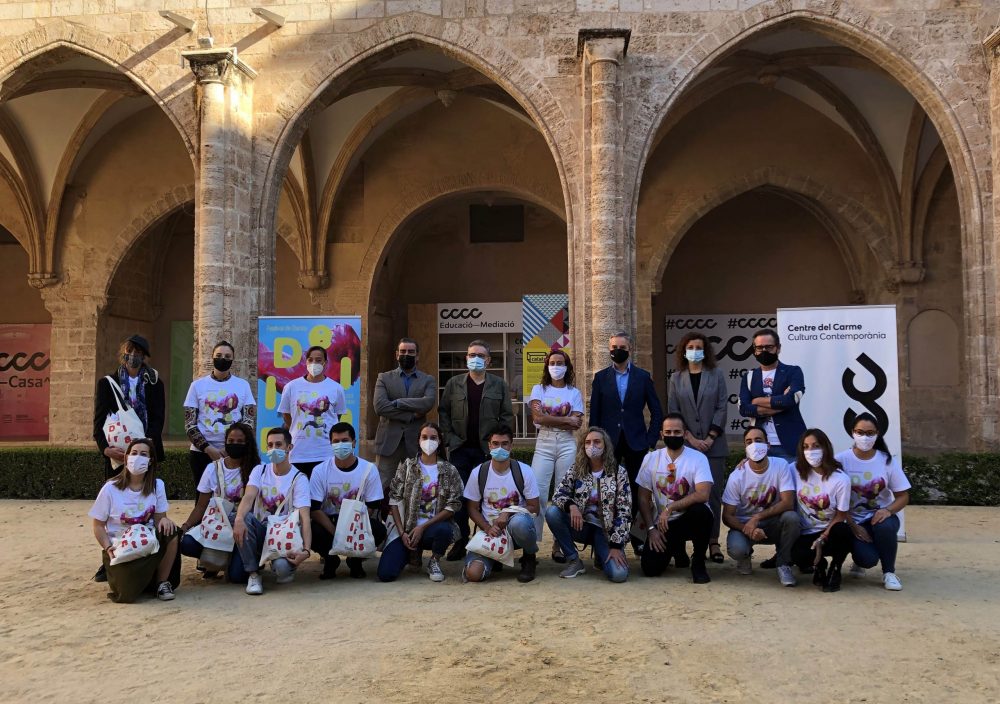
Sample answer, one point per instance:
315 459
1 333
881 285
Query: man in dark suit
403 398
770 397
619 395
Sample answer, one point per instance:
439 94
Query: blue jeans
436 538
235 574
881 549
522 531
567 538
253 547
554 453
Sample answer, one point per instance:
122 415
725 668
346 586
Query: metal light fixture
268 16
183 22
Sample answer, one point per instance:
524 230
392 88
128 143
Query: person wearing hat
143 390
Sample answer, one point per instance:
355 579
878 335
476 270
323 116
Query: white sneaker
286 579
255 585
891 582
785 576
434 570
857 571
744 565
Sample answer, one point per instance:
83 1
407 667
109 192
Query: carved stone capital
603 44
43 279
313 280
909 272
216 65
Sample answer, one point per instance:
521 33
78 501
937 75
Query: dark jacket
789 385
615 416
704 413
400 414
104 403
494 410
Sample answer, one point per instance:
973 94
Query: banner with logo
282 343
457 318
24 381
731 336
544 327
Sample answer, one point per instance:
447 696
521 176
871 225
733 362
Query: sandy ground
739 639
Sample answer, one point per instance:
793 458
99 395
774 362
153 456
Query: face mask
766 359
475 364
673 442
133 361
619 356
315 368
222 364
814 457
757 451
594 451
137 464
277 455
865 442
694 355
342 450
429 446
557 372
236 450
500 454
407 361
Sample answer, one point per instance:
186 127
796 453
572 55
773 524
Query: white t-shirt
428 493
592 512
501 491
330 485
873 482
314 408
751 493
219 405
133 389
209 483
769 429
273 489
120 508
820 500
560 402
669 484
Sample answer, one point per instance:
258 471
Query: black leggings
694 524
199 460
836 547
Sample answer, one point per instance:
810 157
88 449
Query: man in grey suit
403 397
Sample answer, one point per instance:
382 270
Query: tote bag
122 426
136 541
499 548
284 533
353 536
215 532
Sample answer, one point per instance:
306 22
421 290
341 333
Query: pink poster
24 381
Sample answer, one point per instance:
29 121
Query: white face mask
757 451
865 442
315 368
814 457
137 464
557 372
429 446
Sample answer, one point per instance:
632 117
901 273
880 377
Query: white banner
849 358
479 317
730 335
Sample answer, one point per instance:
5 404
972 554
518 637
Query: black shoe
209 575
101 575
770 563
819 573
699 575
682 560
357 571
832 582
528 565
330 567
557 554
457 551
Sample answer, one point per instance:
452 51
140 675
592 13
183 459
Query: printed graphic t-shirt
121 508
820 500
592 512
209 482
873 482
501 491
219 405
330 485
428 492
557 402
671 481
314 408
769 429
273 489
751 493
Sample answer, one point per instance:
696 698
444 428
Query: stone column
227 285
604 299
983 340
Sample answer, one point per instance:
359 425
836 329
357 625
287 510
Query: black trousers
631 460
694 524
322 539
465 460
199 460
836 547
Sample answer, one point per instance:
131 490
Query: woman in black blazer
698 392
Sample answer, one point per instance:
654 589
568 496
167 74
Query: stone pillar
227 258
603 273
982 341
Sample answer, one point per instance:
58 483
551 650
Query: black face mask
222 364
619 356
673 442
766 359
407 361
133 361
236 450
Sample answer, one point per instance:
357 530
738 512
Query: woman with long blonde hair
593 506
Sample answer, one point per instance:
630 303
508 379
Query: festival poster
24 381
282 343
544 327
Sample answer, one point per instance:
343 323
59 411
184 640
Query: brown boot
528 565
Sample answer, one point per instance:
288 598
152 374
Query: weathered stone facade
296 169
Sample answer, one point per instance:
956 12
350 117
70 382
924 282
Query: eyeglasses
765 348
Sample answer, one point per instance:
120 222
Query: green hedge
961 479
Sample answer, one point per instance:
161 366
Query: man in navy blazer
618 396
770 396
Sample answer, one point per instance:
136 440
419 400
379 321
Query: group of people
602 484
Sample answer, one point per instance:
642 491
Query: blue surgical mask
342 450
277 455
475 364
694 355
500 454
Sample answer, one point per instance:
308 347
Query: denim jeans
881 549
522 532
436 538
567 538
253 547
235 573
554 453
781 531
